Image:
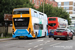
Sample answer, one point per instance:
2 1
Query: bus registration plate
21 36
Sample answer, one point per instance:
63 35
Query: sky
63 0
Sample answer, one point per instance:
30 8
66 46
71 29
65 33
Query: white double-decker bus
28 22
63 23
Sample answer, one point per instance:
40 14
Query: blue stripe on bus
39 34
21 32
47 32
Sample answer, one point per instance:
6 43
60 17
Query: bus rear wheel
45 34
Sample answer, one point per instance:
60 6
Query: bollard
2 35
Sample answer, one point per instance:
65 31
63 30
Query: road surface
38 44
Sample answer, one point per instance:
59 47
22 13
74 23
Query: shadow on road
27 38
63 39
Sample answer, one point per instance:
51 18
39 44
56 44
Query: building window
51 0
66 3
73 17
34 1
39 2
67 8
30 0
74 9
74 4
44 0
68 12
48 0
59 4
74 12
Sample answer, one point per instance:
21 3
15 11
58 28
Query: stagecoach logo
21 31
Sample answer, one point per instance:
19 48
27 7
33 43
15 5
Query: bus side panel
37 19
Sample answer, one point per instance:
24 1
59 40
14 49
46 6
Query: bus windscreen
52 19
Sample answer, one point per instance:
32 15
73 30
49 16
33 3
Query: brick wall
37 3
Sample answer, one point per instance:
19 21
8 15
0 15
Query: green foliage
9 35
6 6
55 12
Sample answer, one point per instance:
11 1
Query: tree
6 6
54 12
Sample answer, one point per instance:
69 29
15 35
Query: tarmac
4 39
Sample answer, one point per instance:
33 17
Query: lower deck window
52 24
38 26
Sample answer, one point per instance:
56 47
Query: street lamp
43 6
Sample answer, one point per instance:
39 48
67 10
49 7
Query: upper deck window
21 23
52 19
21 11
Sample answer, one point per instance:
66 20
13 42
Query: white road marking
35 46
40 40
48 41
41 44
45 42
55 44
65 47
66 41
11 44
29 49
30 43
51 40
40 49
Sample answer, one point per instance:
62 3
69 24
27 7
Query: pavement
6 39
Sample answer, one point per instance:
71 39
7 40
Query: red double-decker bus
54 23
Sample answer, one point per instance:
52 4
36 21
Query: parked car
63 33
51 33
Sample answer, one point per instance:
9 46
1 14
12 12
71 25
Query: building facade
37 3
69 6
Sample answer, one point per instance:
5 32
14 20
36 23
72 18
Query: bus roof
56 17
16 9
52 17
